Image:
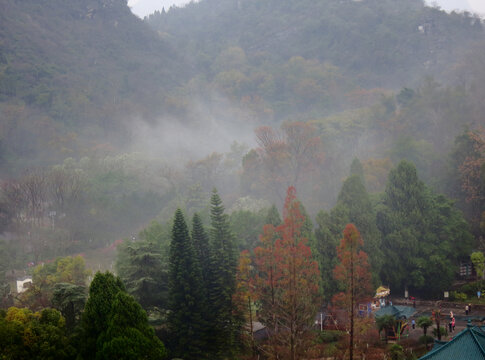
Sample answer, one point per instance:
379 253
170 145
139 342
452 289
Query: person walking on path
466 309
413 323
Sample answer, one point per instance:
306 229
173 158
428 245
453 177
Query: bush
329 336
469 289
460 296
426 339
396 352
443 331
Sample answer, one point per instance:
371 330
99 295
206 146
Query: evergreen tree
201 246
223 279
356 168
423 235
355 199
324 248
128 335
69 299
186 318
353 206
273 216
102 292
140 265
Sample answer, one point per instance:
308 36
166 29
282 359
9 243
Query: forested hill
378 42
77 69
95 48
77 63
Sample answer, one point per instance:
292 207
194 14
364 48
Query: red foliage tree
287 283
353 274
243 300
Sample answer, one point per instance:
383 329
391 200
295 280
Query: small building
23 284
468 344
402 314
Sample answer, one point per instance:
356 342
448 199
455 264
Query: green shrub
329 336
396 352
443 331
469 289
459 296
426 339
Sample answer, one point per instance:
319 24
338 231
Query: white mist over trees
162 149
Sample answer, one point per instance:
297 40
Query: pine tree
354 198
353 206
141 267
223 279
102 292
186 318
128 335
273 216
201 246
420 232
356 168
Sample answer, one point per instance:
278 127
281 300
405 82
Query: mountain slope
382 42
52 52
72 69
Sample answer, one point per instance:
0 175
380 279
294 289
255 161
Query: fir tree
102 291
420 232
223 279
186 318
201 246
273 217
356 168
141 267
353 197
128 335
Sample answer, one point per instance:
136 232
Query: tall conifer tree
423 235
102 292
200 240
223 278
186 320
128 335
273 217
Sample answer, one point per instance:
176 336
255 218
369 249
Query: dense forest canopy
187 149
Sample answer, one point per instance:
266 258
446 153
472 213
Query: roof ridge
473 330
434 351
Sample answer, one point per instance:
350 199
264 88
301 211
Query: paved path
461 319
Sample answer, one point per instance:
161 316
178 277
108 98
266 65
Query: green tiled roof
469 344
399 312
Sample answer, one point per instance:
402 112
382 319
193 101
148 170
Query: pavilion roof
468 344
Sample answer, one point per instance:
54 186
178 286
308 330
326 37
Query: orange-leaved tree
243 300
353 274
287 283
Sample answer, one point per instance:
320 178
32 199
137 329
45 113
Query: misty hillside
225 156
95 48
69 65
77 70
378 43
